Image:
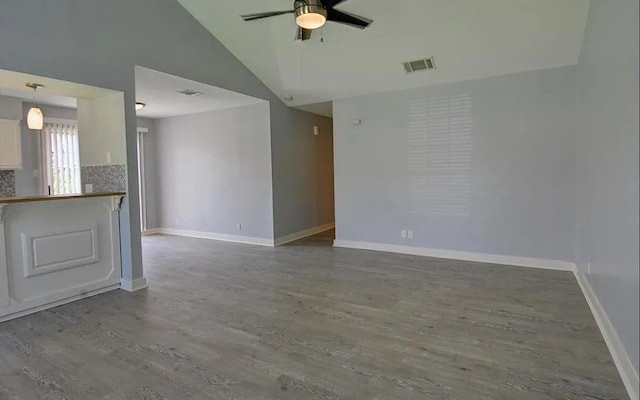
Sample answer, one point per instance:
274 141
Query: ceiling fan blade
303 34
332 3
355 21
255 16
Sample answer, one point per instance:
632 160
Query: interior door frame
141 179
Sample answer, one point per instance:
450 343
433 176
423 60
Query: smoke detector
425 64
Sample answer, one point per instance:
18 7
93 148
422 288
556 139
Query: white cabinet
10 146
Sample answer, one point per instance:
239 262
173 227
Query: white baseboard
216 236
133 285
303 234
151 231
459 255
620 357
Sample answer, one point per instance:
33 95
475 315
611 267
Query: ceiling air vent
189 92
419 65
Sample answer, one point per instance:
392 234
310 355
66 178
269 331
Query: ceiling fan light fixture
310 14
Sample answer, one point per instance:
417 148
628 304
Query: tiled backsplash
105 178
7 183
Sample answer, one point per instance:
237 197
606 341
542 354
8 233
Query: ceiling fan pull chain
322 34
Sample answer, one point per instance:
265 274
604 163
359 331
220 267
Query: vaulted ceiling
468 38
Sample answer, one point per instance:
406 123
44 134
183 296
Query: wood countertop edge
33 199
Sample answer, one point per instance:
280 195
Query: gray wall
482 166
607 164
214 171
98 43
28 180
302 171
10 108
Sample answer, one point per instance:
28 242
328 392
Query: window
440 155
61 157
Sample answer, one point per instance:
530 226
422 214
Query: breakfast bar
57 249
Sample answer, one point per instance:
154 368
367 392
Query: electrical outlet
239 227
177 221
410 235
404 233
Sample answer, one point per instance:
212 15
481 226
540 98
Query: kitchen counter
57 249
30 199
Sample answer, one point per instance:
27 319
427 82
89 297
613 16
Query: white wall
489 169
151 172
214 172
607 164
101 130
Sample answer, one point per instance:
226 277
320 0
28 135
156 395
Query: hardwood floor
306 321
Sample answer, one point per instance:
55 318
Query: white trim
83 295
151 231
459 255
143 130
216 236
133 285
142 186
303 234
620 357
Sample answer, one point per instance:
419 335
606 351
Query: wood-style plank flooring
307 321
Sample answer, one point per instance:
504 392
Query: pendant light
35 118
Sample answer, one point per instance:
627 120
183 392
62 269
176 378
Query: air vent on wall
419 65
189 92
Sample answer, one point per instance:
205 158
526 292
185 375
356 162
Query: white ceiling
159 91
55 92
44 99
468 38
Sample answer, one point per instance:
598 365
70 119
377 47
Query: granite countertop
31 199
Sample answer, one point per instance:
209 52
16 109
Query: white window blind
440 155
62 157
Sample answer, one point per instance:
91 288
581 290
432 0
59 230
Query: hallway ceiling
161 94
468 38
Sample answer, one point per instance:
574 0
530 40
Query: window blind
63 157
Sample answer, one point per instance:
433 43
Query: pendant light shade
310 14
35 118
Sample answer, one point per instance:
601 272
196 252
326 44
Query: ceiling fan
313 14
